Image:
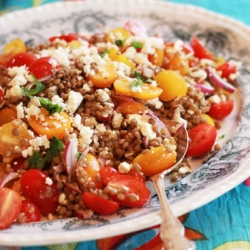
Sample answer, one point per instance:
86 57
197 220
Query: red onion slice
82 157
8 177
70 153
83 214
72 186
217 80
205 88
158 122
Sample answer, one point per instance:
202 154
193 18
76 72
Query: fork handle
171 230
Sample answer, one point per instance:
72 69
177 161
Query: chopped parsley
103 52
120 43
49 106
221 137
136 83
39 162
137 45
33 91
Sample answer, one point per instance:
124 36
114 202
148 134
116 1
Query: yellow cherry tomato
112 53
155 160
144 91
157 57
118 35
49 125
208 119
105 76
172 84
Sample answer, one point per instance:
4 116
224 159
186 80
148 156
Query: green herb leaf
137 45
221 137
103 52
39 162
119 43
136 83
48 105
36 161
55 148
139 76
33 91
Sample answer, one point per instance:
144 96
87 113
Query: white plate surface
225 170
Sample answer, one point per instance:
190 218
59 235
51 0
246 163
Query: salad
84 119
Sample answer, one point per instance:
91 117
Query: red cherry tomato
133 173
202 138
44 67
30 211
99 204
10 206
20 59
135 189
1 95
68 38
185 47
227 69
35 188
106 173
199 50
221 110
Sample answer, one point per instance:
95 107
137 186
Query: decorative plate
217 175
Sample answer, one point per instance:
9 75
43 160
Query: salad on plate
86 118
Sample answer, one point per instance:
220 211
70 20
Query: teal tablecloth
223 224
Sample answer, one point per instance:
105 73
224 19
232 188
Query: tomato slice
202 138
44 67
31 212
10 206
199 50
99 204
221 110
68 38
227 69
106 173
35 188
135 188
20 59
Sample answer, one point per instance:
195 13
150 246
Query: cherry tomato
35 188
136 193
157 57
10 206
99 204
199 50
20 59
202 138
155 160
30 212
227 69
130 107
106 173
7 115
172 84
44 67
132 172
186 48
68 38
1 95
221 110
14 137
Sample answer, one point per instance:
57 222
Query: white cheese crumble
156 103
124 167
74 101
48 181
117 120
39 141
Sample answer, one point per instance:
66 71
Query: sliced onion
102 161
158 122
145 141
8 177
70 153
217 80
72 186
83 214
82 157
205 88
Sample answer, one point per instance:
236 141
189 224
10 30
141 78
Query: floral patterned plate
217 175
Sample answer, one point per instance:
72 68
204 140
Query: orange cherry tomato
178 63
172 84
14 138
147 92
49 125
7 115
155 160
92 168
10 206
105 76
157 57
